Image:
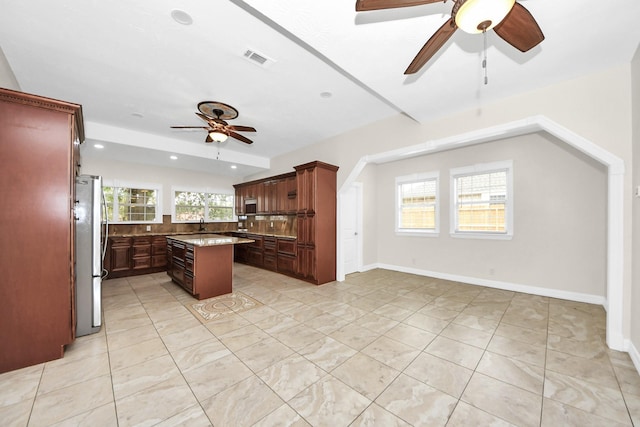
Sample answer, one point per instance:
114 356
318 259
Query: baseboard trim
635 355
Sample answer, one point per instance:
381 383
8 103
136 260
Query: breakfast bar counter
202 264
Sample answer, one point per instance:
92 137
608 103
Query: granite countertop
209 239
201 233
283 236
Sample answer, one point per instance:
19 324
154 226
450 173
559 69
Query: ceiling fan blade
241 128
208 139
432 46
189 127
240 137
364 5
205 117
520 29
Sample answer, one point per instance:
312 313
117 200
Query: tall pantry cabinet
316 222
39 152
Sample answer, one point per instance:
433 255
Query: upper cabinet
274 196
39 141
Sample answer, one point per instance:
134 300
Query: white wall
596 107
167 177
7 78
559 237
635 321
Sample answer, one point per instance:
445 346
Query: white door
350 227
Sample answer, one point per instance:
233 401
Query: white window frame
138 185
206 190
478 169
417 177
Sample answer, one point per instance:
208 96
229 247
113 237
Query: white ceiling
136 71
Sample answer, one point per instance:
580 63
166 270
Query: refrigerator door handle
96 229
105 212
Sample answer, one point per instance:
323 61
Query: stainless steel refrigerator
90 249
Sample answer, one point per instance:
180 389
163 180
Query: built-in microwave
250 206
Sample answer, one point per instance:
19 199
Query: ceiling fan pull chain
484 61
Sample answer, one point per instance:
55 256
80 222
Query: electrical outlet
271 224
148 228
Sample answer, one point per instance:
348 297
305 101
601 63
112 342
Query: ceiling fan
510 20
218 130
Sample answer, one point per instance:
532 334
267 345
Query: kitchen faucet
202 228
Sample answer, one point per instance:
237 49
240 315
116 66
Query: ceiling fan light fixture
476 16
218 136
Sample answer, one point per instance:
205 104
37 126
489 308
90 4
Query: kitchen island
202 264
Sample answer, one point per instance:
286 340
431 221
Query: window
417 204
192 206
137 203
482 201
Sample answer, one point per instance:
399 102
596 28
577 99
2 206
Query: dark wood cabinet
316 221
240 252
39 152
203 271
141 251
269 250
159 252
274 196
255 251
286 250
119 253
310 194
130 256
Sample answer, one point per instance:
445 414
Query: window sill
482 236
417 233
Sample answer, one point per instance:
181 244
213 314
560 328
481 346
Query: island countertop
209 239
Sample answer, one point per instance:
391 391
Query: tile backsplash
168 227
284 225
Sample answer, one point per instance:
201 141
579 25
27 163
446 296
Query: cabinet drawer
255 257
188 264
177 249
269 249
158 248
141 251
120 241
159 260
286 264
188 281
142 241
287 246
177 272
141 262
270 262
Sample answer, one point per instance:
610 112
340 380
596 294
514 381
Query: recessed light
173 157
181 17
99 146
234 167
326 94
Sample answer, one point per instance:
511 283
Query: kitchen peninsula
202 264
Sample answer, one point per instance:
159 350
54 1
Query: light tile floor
380 349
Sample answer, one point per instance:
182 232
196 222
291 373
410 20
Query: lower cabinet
203 271
130 256
272 253
118 256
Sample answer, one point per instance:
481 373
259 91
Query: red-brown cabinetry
39 140
316 194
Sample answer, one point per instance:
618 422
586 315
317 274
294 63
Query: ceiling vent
258 58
